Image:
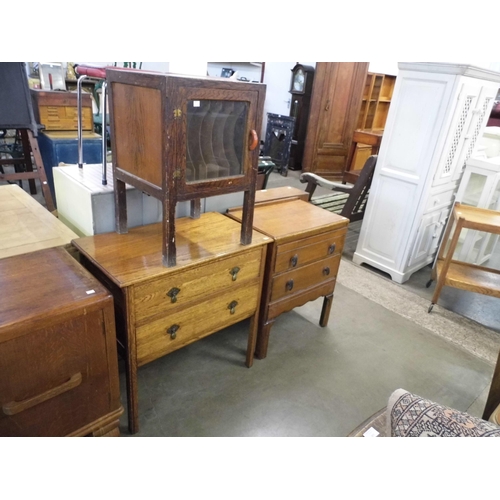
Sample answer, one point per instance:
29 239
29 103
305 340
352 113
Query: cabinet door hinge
177 113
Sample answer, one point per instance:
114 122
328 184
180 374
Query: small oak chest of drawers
302 261
58 361
216 282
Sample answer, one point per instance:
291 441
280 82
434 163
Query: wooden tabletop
137 255
288 219
481 219
26 225
40 286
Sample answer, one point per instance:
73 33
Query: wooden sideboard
217 282
302 261
58 361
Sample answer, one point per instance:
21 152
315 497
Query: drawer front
292 282
55 380
296 254
177 329
165 294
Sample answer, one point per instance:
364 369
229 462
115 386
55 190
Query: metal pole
79 105
104 134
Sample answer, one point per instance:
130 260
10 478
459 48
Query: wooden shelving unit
375 105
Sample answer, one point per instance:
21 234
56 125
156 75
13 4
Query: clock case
164 125
299 109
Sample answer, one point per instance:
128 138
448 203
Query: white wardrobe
438 112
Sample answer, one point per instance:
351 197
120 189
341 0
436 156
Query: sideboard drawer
55 380
166 293
299 253
177 329
287 284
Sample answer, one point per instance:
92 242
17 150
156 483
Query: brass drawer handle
234 272
232 306
294 260
173 331
289 285
331 248
18 406
326 271
172 293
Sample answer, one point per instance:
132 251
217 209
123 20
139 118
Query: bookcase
375 104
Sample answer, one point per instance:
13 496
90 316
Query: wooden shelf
377 97
471 277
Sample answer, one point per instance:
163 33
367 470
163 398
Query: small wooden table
26 225
217 282
464 275
302 260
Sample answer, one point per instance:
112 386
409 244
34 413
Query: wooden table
302 260
464 275
58 360
26 225
217 282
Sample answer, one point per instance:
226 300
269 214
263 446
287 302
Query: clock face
299 80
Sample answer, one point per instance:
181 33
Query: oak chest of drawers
58 361
302 260
217 282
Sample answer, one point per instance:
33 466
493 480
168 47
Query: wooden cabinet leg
494 395
120 207
252 339
325 311
168 241
263 340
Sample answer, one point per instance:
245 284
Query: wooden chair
351 200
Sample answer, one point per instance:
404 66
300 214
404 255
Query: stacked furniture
182 138
56 111
438 112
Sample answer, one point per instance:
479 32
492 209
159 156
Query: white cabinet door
458 132
428 237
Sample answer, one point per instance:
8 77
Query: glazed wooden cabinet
217 282
438 112
182 138
58 360
335 106
302 261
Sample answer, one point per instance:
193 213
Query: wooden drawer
299 253
192 323
287 284
65 118
152 298
56 380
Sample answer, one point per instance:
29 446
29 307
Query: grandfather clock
301 89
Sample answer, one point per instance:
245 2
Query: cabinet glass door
216 137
